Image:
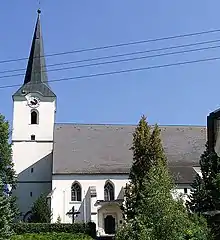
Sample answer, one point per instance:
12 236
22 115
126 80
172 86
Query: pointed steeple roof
36 79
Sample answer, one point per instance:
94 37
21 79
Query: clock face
33 102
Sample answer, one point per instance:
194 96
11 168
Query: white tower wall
32 158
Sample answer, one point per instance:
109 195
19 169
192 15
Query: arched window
109 193
76 194
34 117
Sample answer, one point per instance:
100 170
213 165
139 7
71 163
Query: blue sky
175 95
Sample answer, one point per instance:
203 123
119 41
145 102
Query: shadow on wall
32 182
40 171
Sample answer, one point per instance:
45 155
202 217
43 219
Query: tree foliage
7 172
40 211
205 196
58 220
150 210
147 150
6 216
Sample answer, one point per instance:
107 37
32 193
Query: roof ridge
123 124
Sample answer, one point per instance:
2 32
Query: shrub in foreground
76 228
52 236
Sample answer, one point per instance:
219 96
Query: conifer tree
151 211
141 164
147 151
205 194
164 217
58 220
40 211
6 216
7 172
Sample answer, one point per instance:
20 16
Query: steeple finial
39 11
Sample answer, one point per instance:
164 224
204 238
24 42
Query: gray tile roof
36 76
104 149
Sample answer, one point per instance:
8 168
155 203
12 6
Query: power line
119 45
118 55
122 71
117 61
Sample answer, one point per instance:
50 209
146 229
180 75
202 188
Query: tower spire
36 79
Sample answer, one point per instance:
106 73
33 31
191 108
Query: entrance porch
109 217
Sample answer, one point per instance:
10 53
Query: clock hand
34 102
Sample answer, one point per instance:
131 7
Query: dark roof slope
102 149
36 74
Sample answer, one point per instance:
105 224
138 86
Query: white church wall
61 201
22 128
62 185
183 191
93 209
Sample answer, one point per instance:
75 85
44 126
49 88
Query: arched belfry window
34 117
109 193
76 192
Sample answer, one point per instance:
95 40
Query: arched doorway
109 224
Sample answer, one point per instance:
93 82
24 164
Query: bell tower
34 106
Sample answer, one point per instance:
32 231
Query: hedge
51 236
23 228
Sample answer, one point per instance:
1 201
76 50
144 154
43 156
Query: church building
83 168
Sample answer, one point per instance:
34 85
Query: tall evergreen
142 161
205 196
150 210
6 215
7 172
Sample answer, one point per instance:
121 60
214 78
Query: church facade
83 168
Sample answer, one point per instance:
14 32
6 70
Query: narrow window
32 170
109 192
31 194
34 117
76 194
185 190
32 137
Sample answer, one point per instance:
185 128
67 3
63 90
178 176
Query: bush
40 211
76 228
52 236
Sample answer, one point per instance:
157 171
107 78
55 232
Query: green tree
163 216
150 210
40 211
7 172
143 159
58 220
6 216
205 195
160 217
